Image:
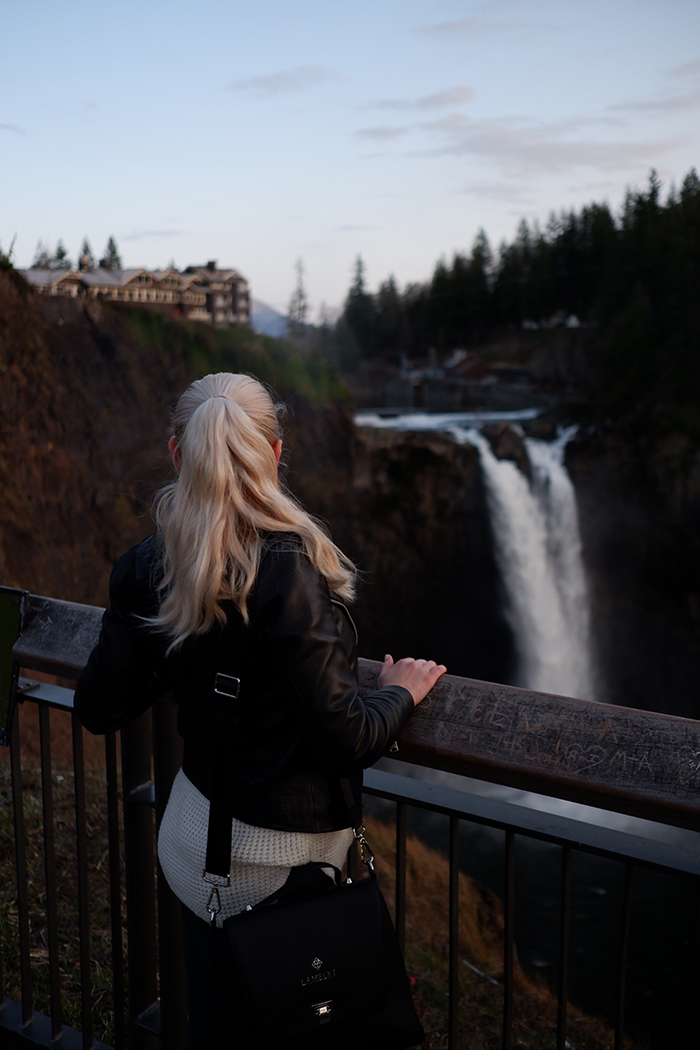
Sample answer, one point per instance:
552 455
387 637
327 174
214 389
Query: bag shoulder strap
217 870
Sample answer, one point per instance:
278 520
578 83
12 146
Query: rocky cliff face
640 524
410 510
84 413
83 419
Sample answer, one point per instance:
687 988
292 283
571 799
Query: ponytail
227 497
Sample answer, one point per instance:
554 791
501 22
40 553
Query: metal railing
624 760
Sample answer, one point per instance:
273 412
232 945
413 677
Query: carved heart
688 764
582 758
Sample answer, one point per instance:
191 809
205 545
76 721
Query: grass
206 349
427 879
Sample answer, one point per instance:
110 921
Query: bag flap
312 962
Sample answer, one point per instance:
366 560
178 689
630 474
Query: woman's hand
418 676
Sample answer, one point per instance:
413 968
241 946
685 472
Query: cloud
471 27
141 235
498 191
523 148
685 71
675 104
354 229
454 96
453 123
381 134
13 127
540 149
298 79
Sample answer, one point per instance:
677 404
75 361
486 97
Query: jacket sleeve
121 678
345 731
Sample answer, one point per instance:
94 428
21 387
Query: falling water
538 550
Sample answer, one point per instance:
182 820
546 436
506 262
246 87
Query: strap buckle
227 685
217 881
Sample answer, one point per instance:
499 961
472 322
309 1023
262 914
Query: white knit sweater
261 858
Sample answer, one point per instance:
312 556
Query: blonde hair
214 518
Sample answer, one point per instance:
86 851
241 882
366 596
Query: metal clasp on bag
227 685
323 1011
214 906
366 855
216 882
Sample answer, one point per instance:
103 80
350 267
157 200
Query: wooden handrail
637 762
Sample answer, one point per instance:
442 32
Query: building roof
113 278
216 274
34 275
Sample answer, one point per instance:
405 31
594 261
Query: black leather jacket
302 724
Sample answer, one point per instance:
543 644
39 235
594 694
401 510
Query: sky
258 132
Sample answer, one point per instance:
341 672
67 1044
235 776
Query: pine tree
86 260
359 312
42 257
112 259
61 259
6 257
299 303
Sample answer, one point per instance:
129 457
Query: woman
240 581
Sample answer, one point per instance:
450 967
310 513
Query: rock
535 428
507 444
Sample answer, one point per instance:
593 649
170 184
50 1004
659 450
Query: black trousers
213 986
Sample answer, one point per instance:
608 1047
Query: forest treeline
631 279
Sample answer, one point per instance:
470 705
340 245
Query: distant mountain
267 321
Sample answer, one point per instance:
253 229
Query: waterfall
538 551
537 547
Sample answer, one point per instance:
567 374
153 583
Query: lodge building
200 293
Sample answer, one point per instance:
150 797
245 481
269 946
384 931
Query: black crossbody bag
319 962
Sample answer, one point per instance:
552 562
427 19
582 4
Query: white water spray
538 550
537 547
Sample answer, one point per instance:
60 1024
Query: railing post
453 1013
508 940
83 888
50 870
115 894
400 917
21 863
624 943
564 929
167 758
140 879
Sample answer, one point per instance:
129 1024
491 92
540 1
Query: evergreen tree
42 257
6 257
391 328
299 303
359 312
60 259
86 260
112 259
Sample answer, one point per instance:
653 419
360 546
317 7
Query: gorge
85 393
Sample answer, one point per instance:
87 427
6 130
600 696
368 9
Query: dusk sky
255 133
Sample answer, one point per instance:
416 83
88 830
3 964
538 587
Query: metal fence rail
585 752
631 850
